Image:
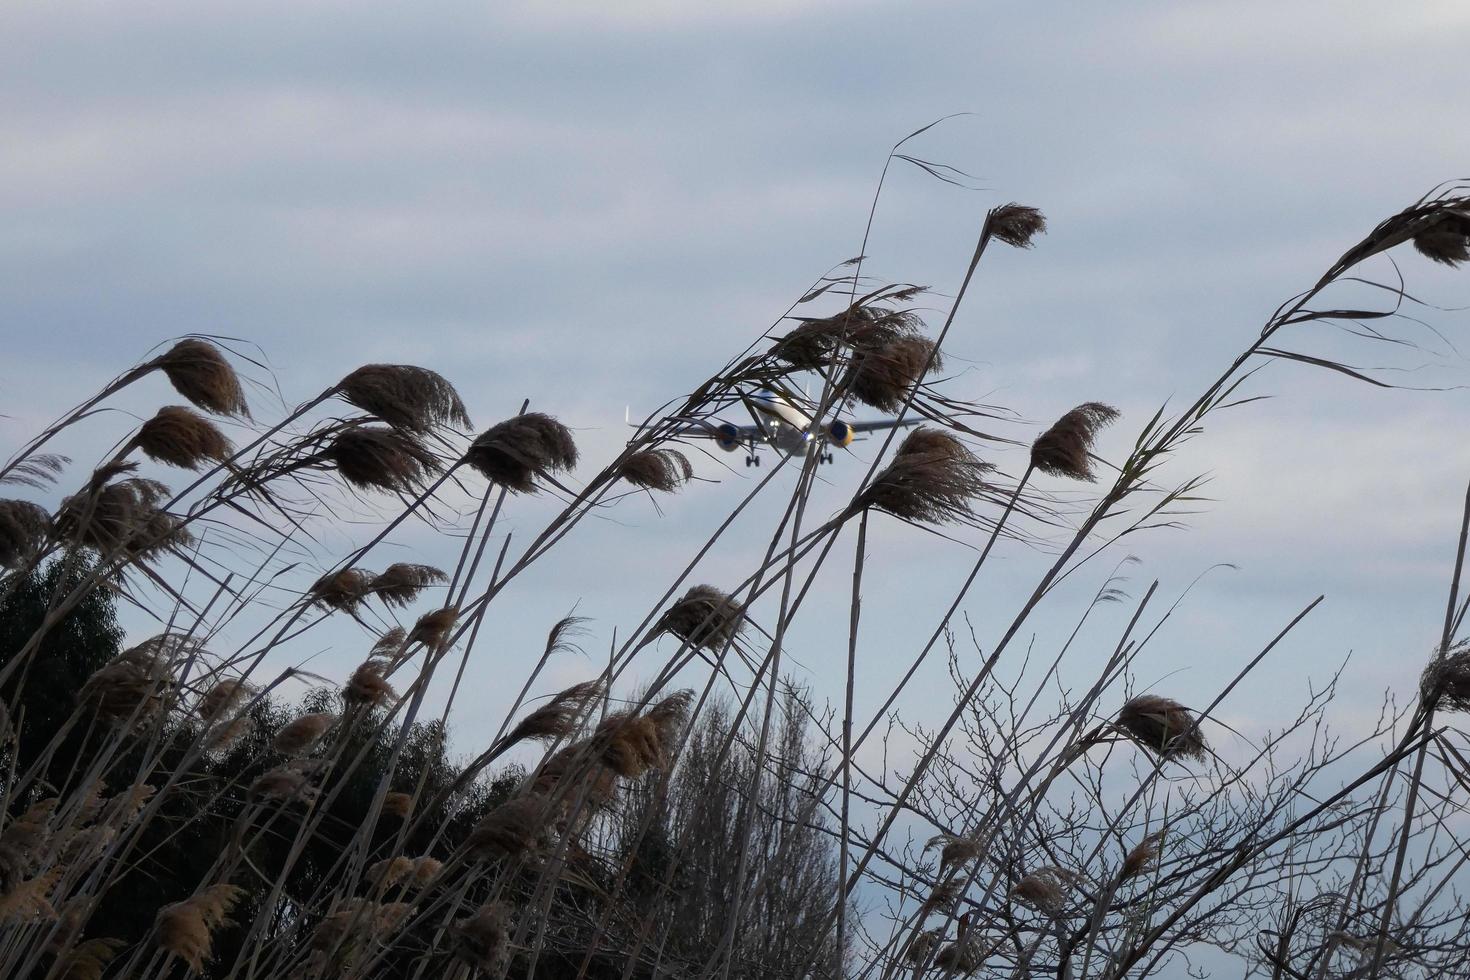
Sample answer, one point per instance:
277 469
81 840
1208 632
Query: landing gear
752 461
826 457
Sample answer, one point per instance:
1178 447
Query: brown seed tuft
425 870
933 479
1044 890
298 736
342 590
628 744
88 960
186 929
1445 683
433 628
817 341
883 377
514 827
514 453
1016 224
368 686
943 898
559 717
670 714
222 697
285 784
372 457
200 373
390 645
962 957
23 530
388 872
1447 239
922 945
182 437
483 939
1162 726
410 398
398 804
705 618
400 584
657 469
121 517
954 850
1141 857
136 685
1066 448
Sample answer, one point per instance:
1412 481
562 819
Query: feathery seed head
932 479
182 437
200 373
368 686
298 736
374 457
410 398
514 453
705 618
882 377
400 584
1141 857
1445 684
186 929
657 469
23 530
433 628
1016 224
1162 726
560 716
1066 448
342 590
483 939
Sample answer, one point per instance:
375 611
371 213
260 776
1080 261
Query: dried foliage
302 733
410 398
483 940
933 479
1162 726
882 377
400 583
24 527
372 457
341 590
200 373
705 618
1141 857
560 717
1016 224
1044 890
433 628
1445 683
657 469
121 517
520 450
182 437
1066 448
186 929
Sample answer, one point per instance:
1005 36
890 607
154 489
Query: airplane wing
878 425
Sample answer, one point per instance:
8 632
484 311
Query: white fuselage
787 427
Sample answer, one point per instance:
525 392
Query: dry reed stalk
400 583
933 479
1016 225
298 736
559 717
406 397
1066 448
433 628
368 686
342 590
186 929
705 618
182 437
200 373
657 469
1162 726
372 457
482 940
24 527
516 452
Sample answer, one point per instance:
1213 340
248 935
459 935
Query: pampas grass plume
200 373
186 929
514 453
298 736
410 398
182 437
657 469
1160 725
1066 448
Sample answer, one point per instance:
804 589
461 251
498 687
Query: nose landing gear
752 461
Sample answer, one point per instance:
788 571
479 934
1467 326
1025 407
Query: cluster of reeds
1082 834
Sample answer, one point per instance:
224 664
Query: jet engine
727 437
839 433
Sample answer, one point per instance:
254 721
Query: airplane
780 424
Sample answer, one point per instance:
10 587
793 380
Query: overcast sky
596 204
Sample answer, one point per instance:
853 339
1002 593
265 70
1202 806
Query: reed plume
298 736
942 898
516 452
1066 448
342 590
410 398
425 870
222 697
954 850
289 785
398 804
37 471
136 684
88 960
1141 857
373 457
113 516
922 945
1162 726
657 469
559 717
1446 238
482 940
704 617
1044 890
882 377
517 826
933 479
400 584
628 744
670 714
186 929
390 645
433 628
388 872
24 527
816 342
368 686
200 373
1445 683
1015 224
182 437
